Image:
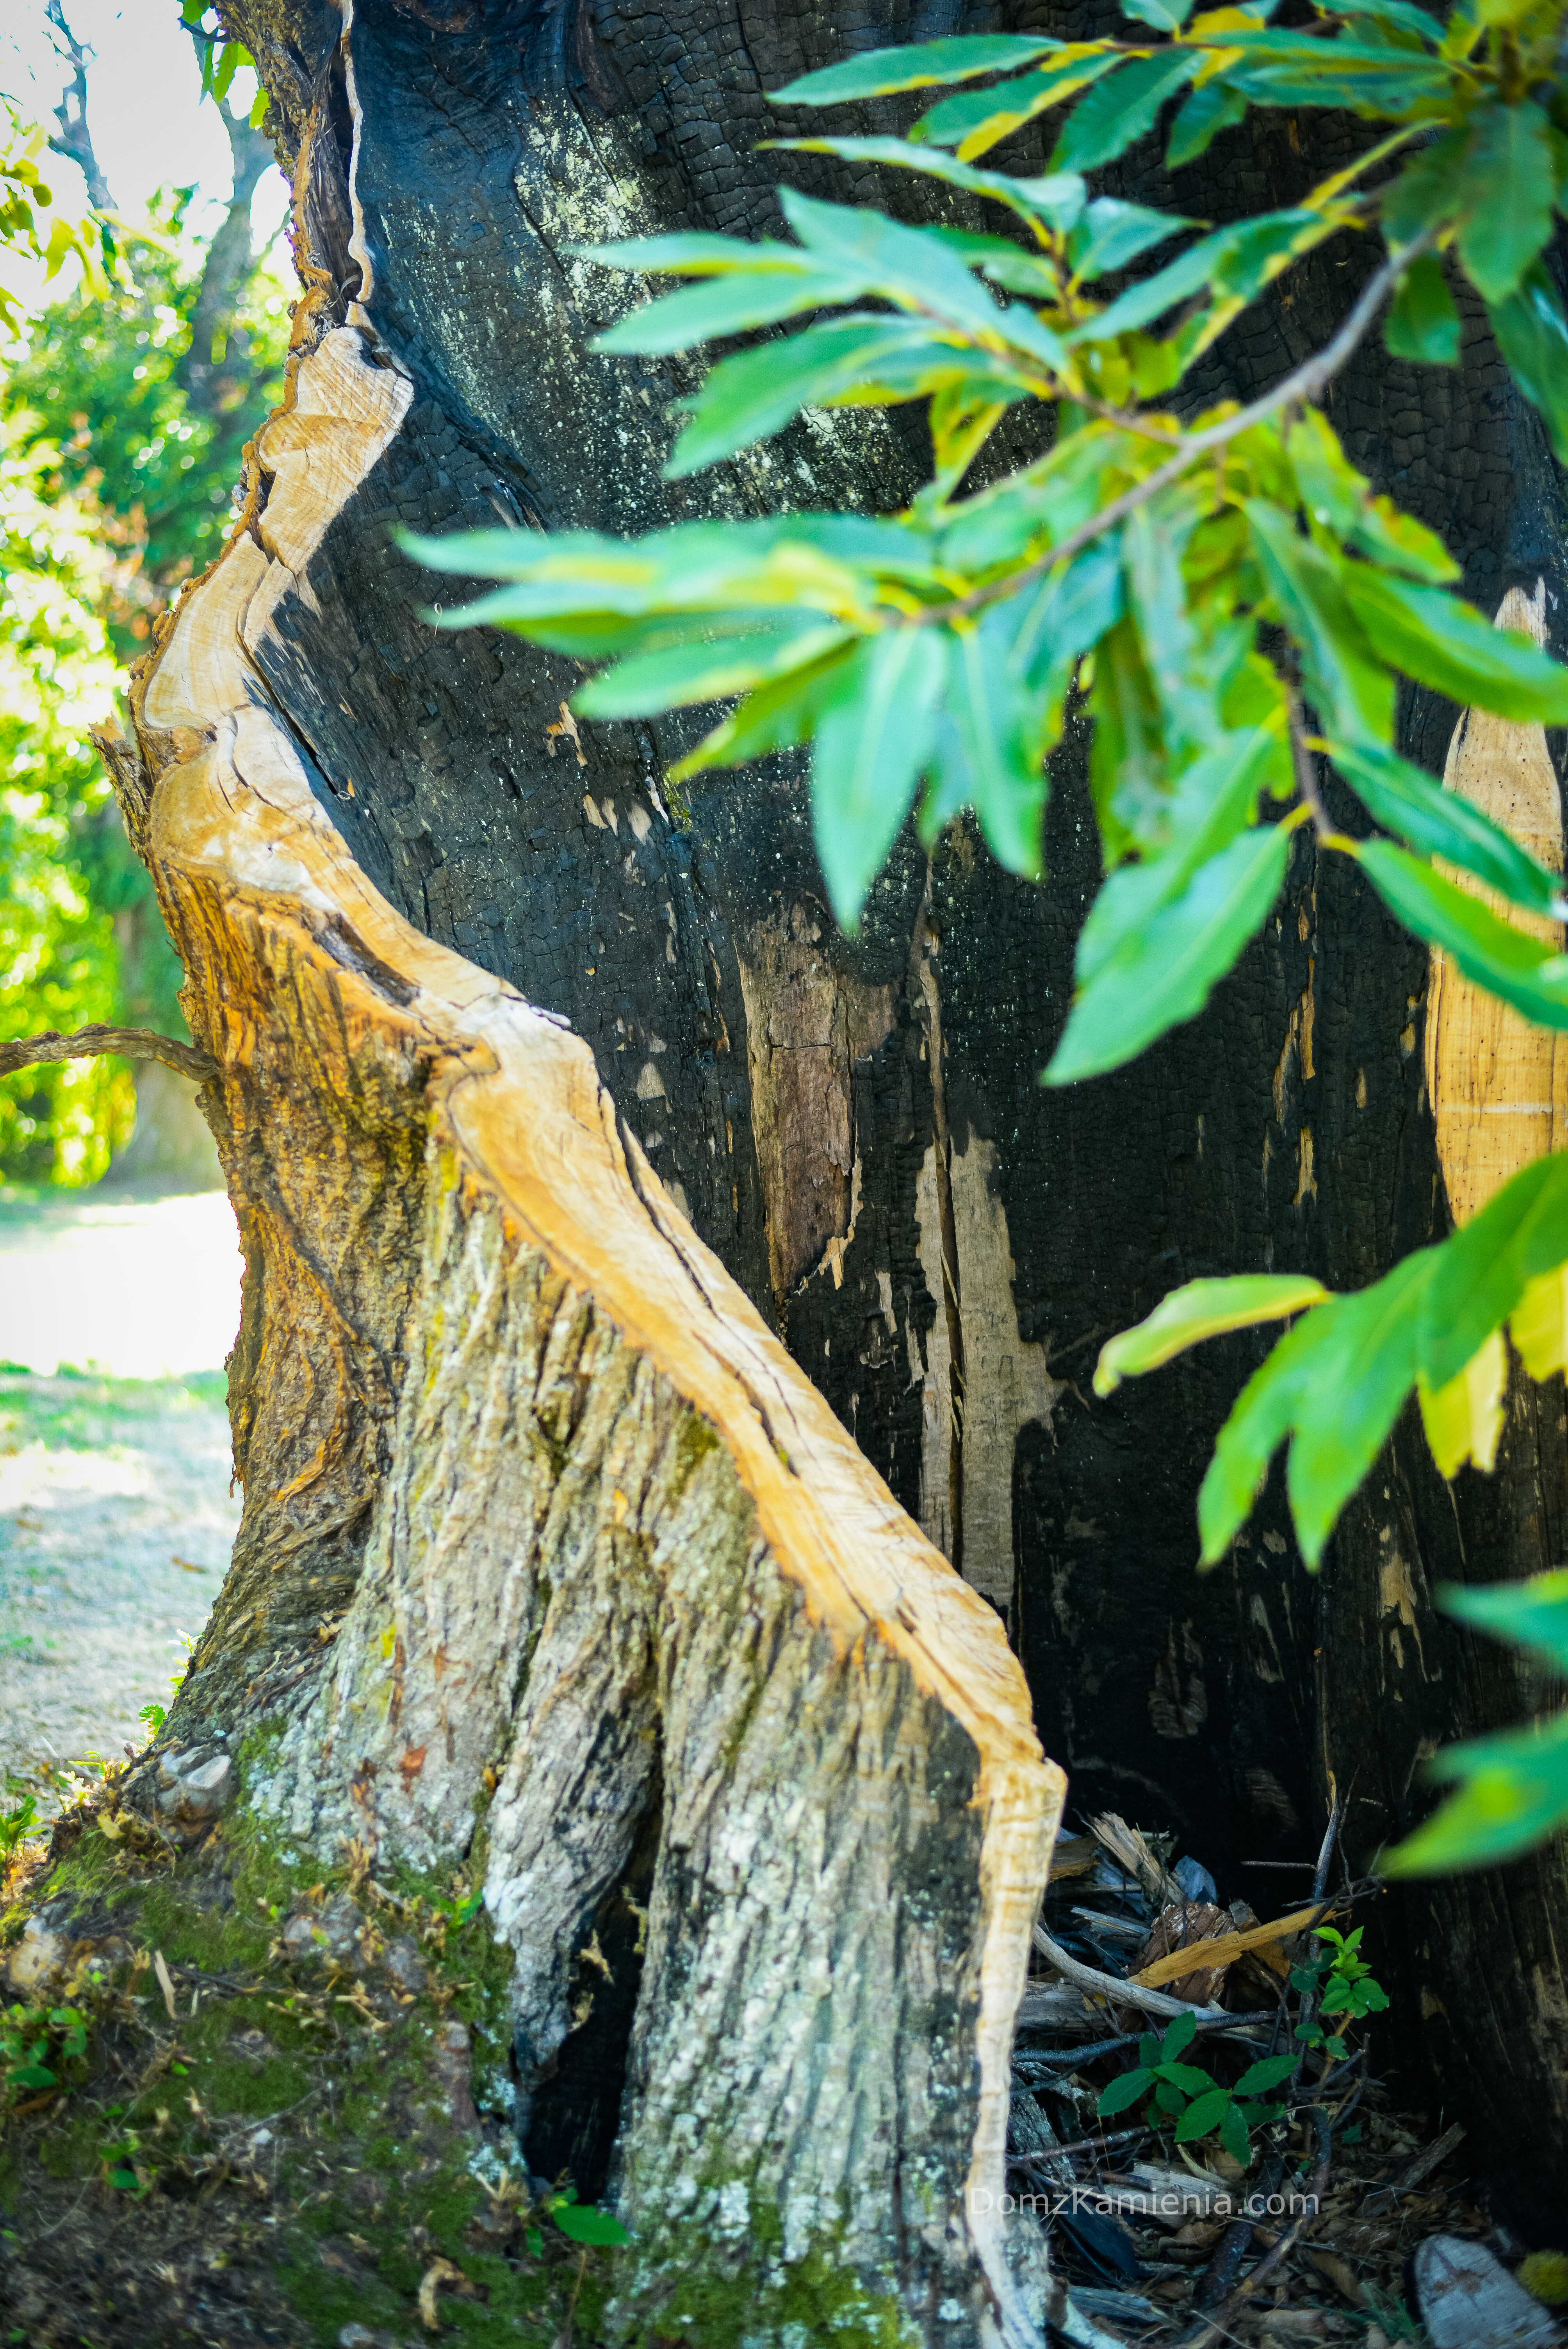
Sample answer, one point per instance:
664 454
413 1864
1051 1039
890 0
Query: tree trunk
366 835
544 1529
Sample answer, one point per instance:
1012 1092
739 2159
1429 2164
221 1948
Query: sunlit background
122 418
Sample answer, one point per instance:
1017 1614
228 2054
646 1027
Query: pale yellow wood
1497 1086
1224 1948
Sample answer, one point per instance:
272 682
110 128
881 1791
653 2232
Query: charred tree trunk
483 1362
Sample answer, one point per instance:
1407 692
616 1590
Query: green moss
367 2181
691 2289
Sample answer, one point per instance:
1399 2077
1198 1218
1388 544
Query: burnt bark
857 1131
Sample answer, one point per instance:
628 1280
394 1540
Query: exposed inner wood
1498 1086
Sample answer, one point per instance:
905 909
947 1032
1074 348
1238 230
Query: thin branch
87 1044
1312 378
1129 1994
1222 2318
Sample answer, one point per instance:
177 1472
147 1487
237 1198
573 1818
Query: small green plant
581 2222
1198 2104
123 2170
1344 1985
20 1817
37 2046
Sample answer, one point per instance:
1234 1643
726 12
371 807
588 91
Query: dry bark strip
535 1503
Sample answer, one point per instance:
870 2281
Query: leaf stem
1305 384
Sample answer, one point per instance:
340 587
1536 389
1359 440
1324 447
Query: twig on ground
1319 1886
1217 2327
1421 2164
1220 2275
1078 2145
1070 2057
1129 1994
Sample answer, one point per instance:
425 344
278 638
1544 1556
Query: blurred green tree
124 408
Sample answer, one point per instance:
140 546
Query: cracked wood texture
855 1131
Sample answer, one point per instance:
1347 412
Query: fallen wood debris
1172 2241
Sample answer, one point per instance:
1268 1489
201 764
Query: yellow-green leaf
1202 1309
1539 1324
1464 1419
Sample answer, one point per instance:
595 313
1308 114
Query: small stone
1469 2300
403 1963
335 1933
194 1788
41 1952
451 2062
492 2228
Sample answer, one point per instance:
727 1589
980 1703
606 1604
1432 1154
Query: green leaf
1165 973
1340 500
1056 202
1533 336
1152 296
1200 1310
1484 1271
975 120
579 2222
1165 15
1507 188
1124 2091
1515 1793
1423 324
1204 114
1267 2072
33 2075
1345 676
753 395
1452 648
126 2179
1068 615
871 745
731 304
1530 1614
1206 2115
991 747
1340 1423
1519 969
1112 235
908 265
1440 822
1106 122
1234 2135
259 106
922 65
1189 2077
775 717
679 675
1179 2034
1335 1383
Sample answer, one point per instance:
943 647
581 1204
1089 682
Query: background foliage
123 408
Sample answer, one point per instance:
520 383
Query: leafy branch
1222 595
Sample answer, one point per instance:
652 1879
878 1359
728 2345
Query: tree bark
545 1536
855 1131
